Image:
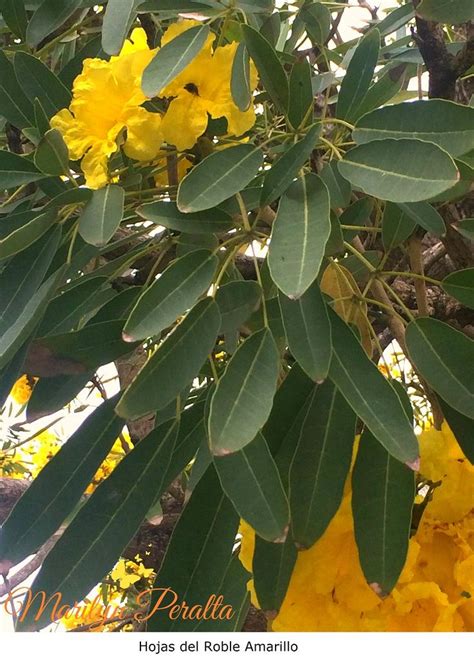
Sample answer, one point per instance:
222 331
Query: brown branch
416 264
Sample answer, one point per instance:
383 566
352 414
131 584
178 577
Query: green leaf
88 348
243 397
441 355
23 296
240 79
14 104
102 528
102 215
50 15
57 489
167 214
447 124
357 214
174 364
172 58
11 373
451 12
38 81
425 215
399 170
178 289
14 15
218 177
74 304
92 49
358 78
17 170
466 228
383 493
198 554
301 94
299 235
461 286
237 300
397 225
286 168
19 230
289 399
189 242
308 331
52 155
51 394
389 83
339 188
250 478
317 19
320 464
272 567
462 428
371 396
118 17
272 73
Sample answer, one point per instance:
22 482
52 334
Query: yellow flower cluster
107 108
128 572
435 592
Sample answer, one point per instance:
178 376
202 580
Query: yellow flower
106 111
124 578
202 89
22 390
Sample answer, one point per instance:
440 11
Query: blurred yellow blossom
107 108
22 389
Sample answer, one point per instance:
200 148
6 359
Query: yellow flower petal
185 121
144 135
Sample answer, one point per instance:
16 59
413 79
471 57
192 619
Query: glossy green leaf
14 104
397 226
460 285
243 397
383 493
102 215
301 94
166 214
218 177
237 300
317 19
102 528
308 331
466 228
299 235
441 355
271 71
250 479
371 396
447 124
177 289
462 428
286 168
52 155
17 170
320 464
14 15
339 188
172 58
425 215
175 364
389 83
118 18
50 15
451 12
38 81
240 78
399 170
196 561
57 489
358 78
20 230
272 567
